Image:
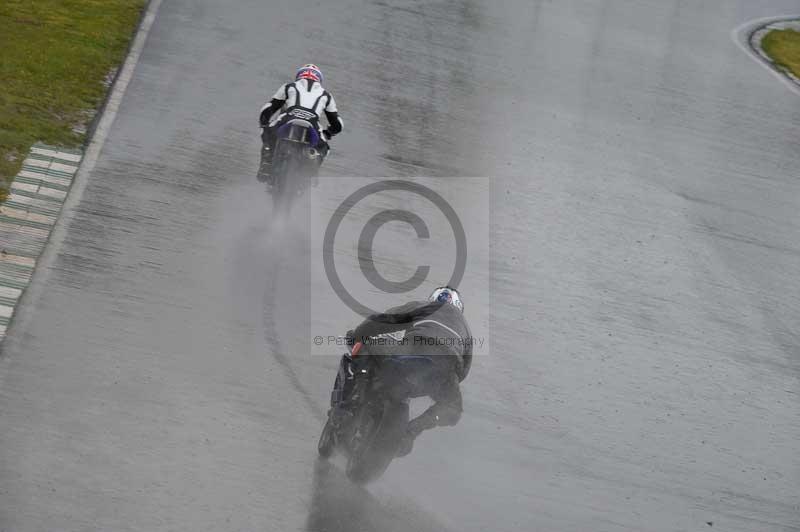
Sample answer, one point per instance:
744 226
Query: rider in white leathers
306 98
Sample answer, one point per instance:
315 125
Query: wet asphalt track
645 362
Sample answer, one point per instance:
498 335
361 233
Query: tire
371 455
327 440
281 174
287 174
264 168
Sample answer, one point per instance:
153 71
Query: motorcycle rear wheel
375 443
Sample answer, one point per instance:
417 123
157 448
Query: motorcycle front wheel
327 440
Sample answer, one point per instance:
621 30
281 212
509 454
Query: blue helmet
446 294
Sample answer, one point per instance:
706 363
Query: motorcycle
371 436
299 152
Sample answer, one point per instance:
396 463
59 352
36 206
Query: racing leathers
305 99
431 338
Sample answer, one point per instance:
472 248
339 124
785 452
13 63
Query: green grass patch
56 57
783 46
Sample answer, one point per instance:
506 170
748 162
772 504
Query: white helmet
445 294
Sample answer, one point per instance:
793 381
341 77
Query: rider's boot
415 427
406 444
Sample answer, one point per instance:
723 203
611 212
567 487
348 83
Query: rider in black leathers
433 330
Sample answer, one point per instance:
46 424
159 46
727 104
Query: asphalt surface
645 250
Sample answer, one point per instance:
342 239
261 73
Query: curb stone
27 218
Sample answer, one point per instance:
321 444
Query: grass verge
57 58
783 47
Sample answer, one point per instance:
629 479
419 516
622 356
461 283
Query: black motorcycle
371 434
299 152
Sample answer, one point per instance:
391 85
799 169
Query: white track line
112 106
104 125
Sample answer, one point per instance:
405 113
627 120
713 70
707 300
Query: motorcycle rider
303 98
437 343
